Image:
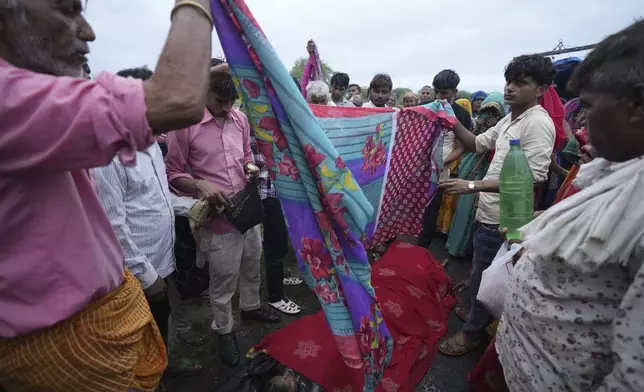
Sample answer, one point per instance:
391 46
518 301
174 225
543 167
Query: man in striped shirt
141 209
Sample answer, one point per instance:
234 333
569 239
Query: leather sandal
459 344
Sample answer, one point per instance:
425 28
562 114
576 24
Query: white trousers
232 257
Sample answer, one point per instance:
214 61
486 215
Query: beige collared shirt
536 131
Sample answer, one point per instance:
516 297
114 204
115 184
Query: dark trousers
430 217
275 248
161 313
487 242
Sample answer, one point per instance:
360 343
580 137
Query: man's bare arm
458 186
489 186
467 139
187 185
176 93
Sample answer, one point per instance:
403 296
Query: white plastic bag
494 283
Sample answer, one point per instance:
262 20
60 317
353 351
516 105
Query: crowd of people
117 194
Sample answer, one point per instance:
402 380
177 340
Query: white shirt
536 131
369 104
345 103
141 208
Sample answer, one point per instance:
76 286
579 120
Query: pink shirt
212 152
58 251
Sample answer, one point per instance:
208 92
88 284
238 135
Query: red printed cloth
416 299
412 175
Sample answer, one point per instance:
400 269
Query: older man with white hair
317 93
71 318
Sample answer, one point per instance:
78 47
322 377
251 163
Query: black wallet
246 210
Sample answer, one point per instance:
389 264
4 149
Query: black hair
356 85
446 79
537 67
615 66
143 73
86 69
340 79
223 87
381 80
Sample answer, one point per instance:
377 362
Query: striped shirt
141 208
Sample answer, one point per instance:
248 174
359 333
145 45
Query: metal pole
568 50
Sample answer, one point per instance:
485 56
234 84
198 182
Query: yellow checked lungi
111 345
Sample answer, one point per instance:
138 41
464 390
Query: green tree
463 94
364 90
298 69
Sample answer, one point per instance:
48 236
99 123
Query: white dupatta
602 224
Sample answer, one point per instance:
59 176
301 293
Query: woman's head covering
571 110
551 102
465 104
478 95
491 112
493 102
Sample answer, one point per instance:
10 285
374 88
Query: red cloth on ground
551 102
416 298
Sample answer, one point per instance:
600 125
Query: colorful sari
417 299
312 71
449 202
473 167
329 209
448 206
572 109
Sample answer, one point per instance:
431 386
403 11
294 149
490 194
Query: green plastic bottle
516 190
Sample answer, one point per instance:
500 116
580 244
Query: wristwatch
471 186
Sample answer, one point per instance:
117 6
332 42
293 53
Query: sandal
192 338
287 306
292 281
491 329
458 345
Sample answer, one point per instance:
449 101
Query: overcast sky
409 39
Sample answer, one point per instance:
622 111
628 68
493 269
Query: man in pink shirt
70 318
211 161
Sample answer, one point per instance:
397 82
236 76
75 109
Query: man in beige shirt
527 78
